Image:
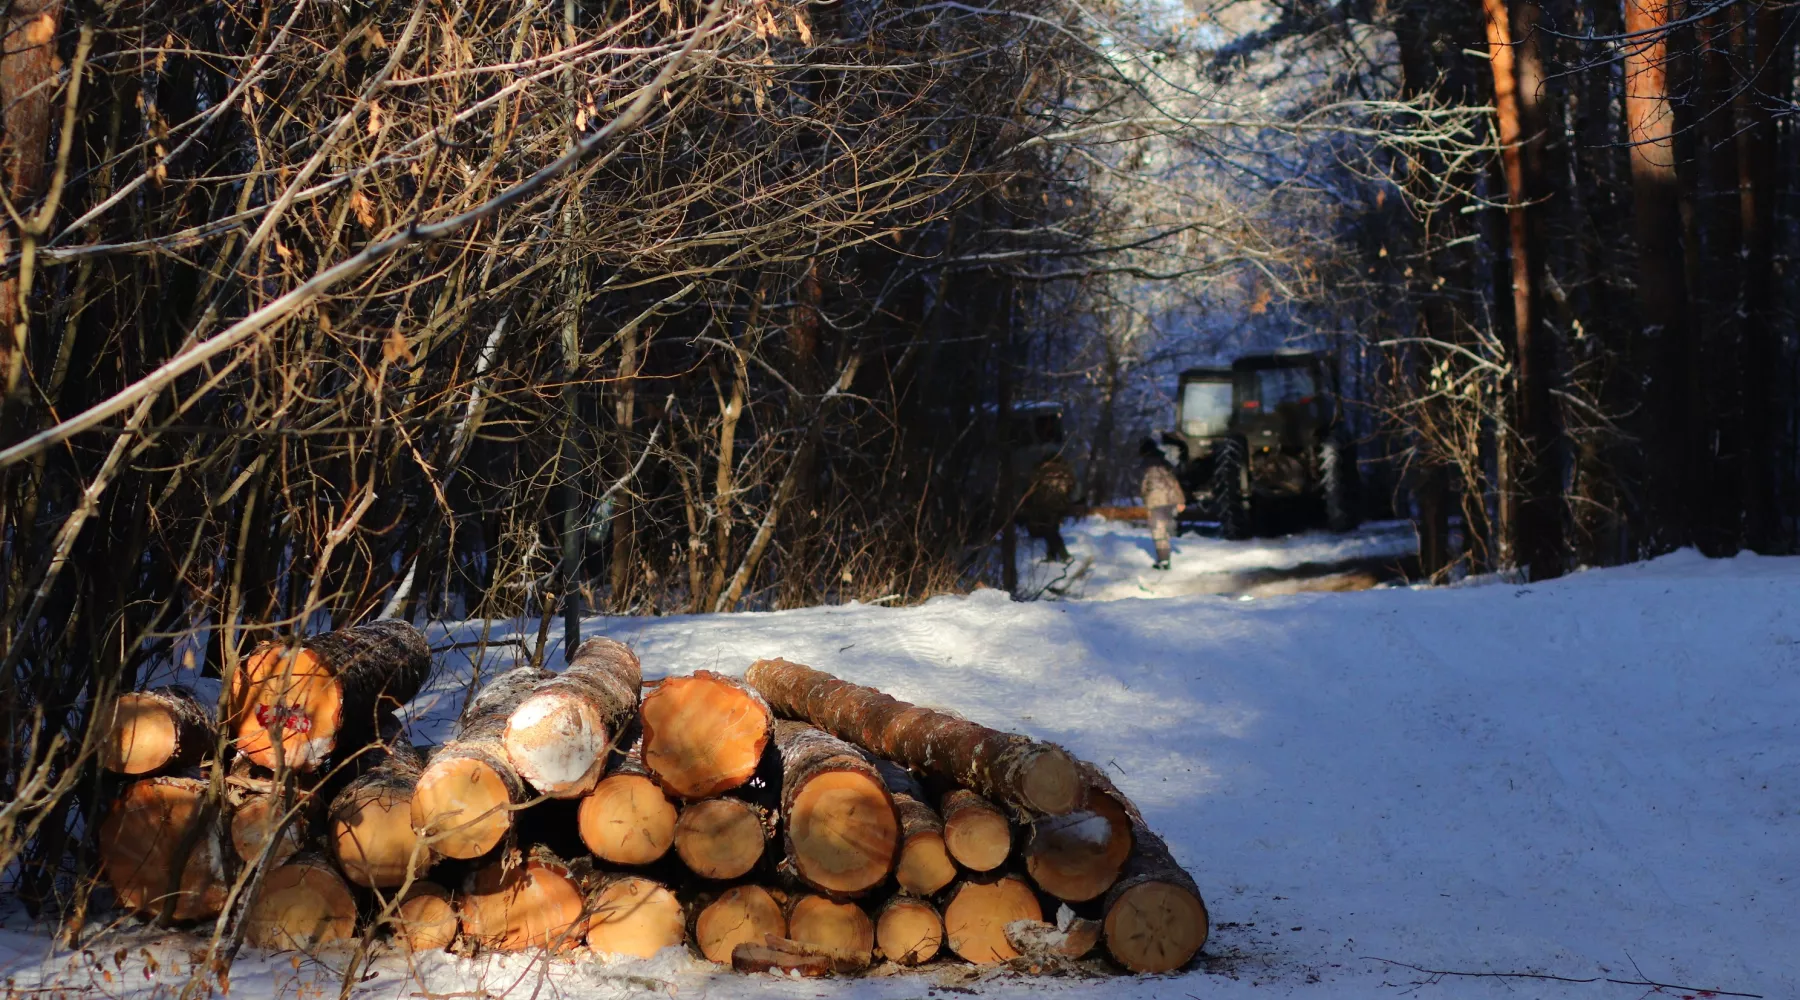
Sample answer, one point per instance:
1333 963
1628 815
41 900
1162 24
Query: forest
450 310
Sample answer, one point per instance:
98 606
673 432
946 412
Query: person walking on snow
1047 502
1163 498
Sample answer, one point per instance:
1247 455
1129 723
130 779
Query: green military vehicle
1262 438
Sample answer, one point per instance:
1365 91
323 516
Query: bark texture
561 736
1019 771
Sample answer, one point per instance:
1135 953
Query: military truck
1262 438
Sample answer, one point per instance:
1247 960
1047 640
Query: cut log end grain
152 730
843 835
1077 856
372 836
1050 780
257 819
925 866
704 734
745 914
1155 927
425 920
627 820
634 916
975 831
840 930
460 806
909 931
142 836
303 905
291 702
976 916
560 736
780 956
721 838
533 905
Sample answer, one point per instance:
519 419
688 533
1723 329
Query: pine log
462 801
258 815
425 919
299 702
369 825
781 956
909 931
163 729
976 832
627 819
1040 941
924 867
560 737
704 734
302 905
843 836
1077 856
1039 778
976 914
1155 920
140 840
739 915
631 915
840 930
723 838
535 903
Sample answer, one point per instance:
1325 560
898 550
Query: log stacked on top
789 821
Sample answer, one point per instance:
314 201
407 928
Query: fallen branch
1706 990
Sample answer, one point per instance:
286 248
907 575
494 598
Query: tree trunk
1769 85
976 832
1032 776
723 838
627 819
326 694
27 91
1155 919
629 915
370 822
976 914
842 833
704 734
840 930
163 729
745 914
425 920
462 804
560 737
142 844
909 931
924 866
533 904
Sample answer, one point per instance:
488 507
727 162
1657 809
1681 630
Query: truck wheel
1231 488
1338 482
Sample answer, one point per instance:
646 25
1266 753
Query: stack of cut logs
789 821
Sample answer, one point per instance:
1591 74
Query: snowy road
1598 777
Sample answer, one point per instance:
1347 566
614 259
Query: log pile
788 821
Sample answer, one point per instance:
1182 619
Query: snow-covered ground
1111 559
1596 777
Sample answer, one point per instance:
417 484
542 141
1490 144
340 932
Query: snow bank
1594 777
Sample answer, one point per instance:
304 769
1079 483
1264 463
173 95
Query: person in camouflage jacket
1163 499
1047 502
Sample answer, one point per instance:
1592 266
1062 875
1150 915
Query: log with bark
632 915
1155 920
162 849
260 811
739 915
462 804
1045 942
723 838
560 737
425 918
840 930
1077 856
842 834
302 905
627 819
781 956
976 832
976 913
704 734
534 903
294 704
369 824
909 931
1036 777
163 729
924 866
